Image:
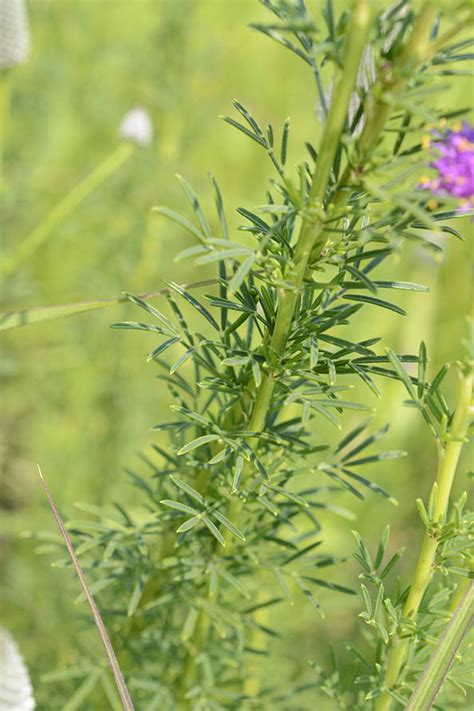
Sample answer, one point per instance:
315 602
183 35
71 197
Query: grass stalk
41 233
125 698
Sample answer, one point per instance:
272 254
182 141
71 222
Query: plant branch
431 681
311 227
448 462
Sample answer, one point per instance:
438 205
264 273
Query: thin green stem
310 230
392 80
459 592
448 462
431 681
415 52
40 234
311 239
312 222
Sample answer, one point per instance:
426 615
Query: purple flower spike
454 164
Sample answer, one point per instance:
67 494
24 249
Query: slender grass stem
42 232
448 462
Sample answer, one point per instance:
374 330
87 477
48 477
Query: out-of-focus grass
78 397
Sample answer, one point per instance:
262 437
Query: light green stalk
313 220
310 231
41 233
312 237
311 228
448 461
431 681
311 240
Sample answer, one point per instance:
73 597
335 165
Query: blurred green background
77 397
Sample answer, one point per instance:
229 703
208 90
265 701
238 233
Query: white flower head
136 126
14 33
16 692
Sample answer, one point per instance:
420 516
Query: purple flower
454 163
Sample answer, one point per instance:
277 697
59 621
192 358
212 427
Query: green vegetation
79 230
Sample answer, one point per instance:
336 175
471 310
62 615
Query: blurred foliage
75 395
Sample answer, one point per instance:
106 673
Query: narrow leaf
181 361
214 530
241 273
178 506
375 302
189 624
401 372
198 442
161 348
138 301
196 205
188 490
194 302
189 524
181 221
229 525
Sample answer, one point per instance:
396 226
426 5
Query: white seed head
14 33
16 693
136 126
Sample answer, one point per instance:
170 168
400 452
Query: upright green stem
309 231
415 52
448 462
39 235
312 237
431 681
312 226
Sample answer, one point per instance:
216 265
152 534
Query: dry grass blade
113 661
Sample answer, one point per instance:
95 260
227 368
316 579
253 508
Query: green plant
253 367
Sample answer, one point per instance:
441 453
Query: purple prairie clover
454 163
